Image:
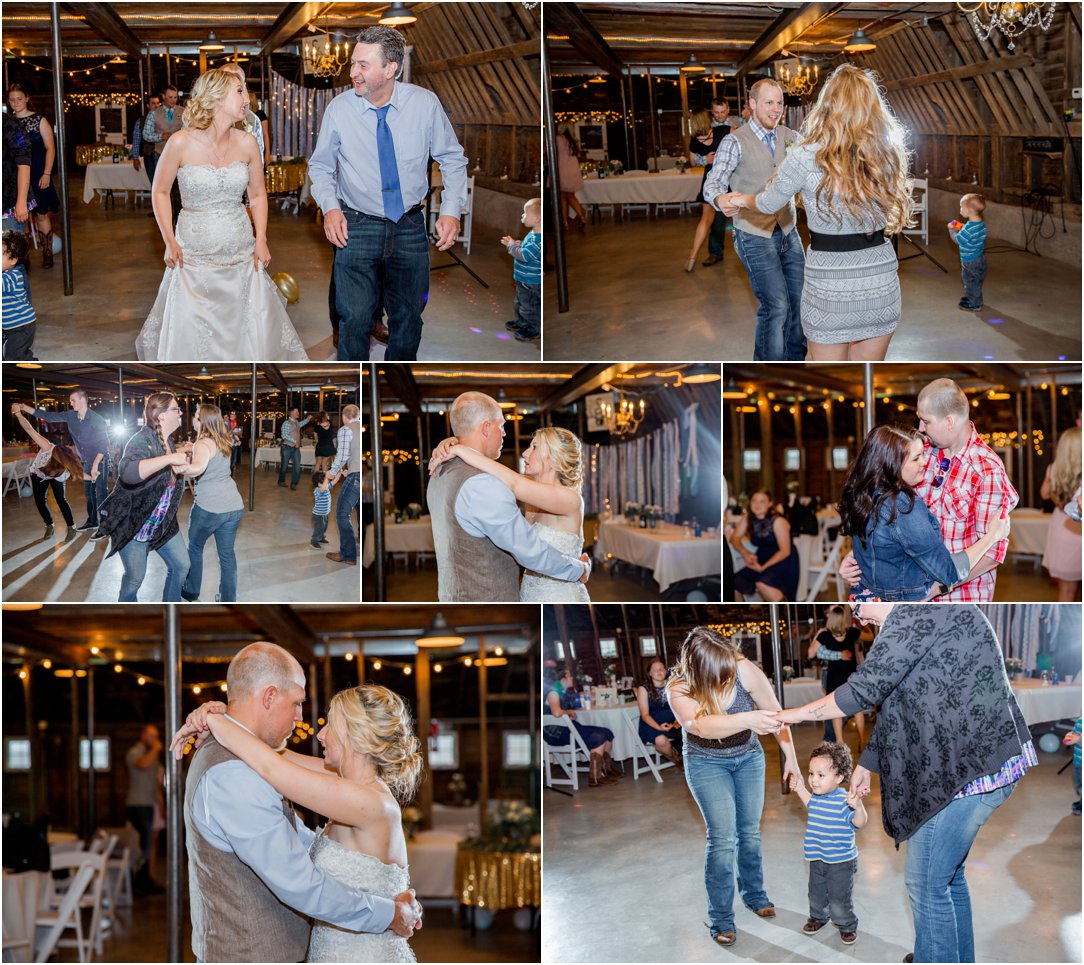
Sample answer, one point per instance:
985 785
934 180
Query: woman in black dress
42 154
772 571
325 441
701 144
840 647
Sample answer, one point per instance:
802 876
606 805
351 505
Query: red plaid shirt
972 496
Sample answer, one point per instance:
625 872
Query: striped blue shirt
17 308
527 255
972 240
321 501
829 833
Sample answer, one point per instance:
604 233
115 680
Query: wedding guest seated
561 701
773 570
658 726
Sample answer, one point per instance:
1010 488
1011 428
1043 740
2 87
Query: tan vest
753 173
235 917
353 461
162 126
469 568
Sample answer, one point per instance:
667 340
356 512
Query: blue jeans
399 251
349 496
95 492
973 273
235 457
934 875
133 555
223 526
776 269
730 794
290 455
717 236
528 306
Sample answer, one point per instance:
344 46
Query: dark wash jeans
399 250
95 492
776 269
349 496
973 273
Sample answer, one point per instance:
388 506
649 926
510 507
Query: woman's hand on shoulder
442 453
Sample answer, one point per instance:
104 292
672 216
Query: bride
549 488
371 762
216 301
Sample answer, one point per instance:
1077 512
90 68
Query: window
444 748
751 460
517 749
608 647
840 457
647 647
560 649
572 649
16 754
792 460
101 754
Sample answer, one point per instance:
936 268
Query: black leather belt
346 208
821 242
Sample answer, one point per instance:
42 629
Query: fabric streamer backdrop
644 470
295 114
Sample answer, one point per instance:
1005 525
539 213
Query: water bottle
1054 679
696 528
585 698
116 156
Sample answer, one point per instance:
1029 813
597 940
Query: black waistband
820 242
361 214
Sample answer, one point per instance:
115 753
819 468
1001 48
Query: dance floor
275 562
630 298
118 267
624 876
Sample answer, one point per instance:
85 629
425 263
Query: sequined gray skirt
850 295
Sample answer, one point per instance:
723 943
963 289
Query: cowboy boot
47 249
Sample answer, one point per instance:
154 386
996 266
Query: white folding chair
822 571
17 473
467 219
571 758
921 210
68 915
646 759
12 943
119 885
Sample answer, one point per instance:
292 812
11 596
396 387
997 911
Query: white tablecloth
1028 532
1039 704
801 691
626 740
21 894
273 455
664 550
107 176
640 187
432 862
409 536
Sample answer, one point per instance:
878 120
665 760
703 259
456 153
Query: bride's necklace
209 144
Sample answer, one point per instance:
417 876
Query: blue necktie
389 170
169 115
769 140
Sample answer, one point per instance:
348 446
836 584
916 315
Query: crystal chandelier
801 82
622 419
1012 19
322 58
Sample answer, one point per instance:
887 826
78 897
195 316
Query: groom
252 885
480 536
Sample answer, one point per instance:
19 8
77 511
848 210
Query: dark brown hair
61 460
875 478
154 406
838 754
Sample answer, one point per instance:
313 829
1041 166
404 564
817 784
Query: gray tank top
736 744
216 492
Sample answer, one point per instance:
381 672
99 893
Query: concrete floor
630 299
623 872
274 559
118 268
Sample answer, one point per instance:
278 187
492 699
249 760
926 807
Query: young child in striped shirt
970 235
833 813
527 271
321 506
20 320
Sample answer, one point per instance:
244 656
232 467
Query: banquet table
627 741
664 550
1040 704
22 892
801 691
431 856
1027 537
642 187
272 455
409 536
92 153
107 176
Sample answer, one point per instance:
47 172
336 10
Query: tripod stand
920 253
456 261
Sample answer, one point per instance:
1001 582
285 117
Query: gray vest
163 126
753 173
235 917
353 462
469 568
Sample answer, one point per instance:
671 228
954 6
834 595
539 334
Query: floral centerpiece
414 511
1014 666
653 513
632 511
788 672
515 827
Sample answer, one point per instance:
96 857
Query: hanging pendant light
692 66
439 634
859 43
397 15
211 45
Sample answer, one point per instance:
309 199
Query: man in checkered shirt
965 486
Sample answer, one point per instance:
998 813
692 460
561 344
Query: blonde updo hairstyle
565 455
376 722
208 90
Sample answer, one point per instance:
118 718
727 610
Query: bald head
350 413
943 397
477 421
262 665
234 68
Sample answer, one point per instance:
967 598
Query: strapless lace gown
362 872
536 588
217 307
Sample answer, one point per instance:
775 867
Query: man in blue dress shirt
370 178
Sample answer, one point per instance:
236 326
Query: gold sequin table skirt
281 178
498 879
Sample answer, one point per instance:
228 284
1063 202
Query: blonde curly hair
565 454
376 722
208 90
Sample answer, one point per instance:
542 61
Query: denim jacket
902 559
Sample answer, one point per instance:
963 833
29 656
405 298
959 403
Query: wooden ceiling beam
20 376
587 379
566 18
24 640
283 626
402 382
525 48
785 29
104 21
165 376
273 374
295 17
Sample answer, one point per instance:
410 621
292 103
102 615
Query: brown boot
46 249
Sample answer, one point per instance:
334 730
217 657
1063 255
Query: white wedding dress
362 872
217 307
536 588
